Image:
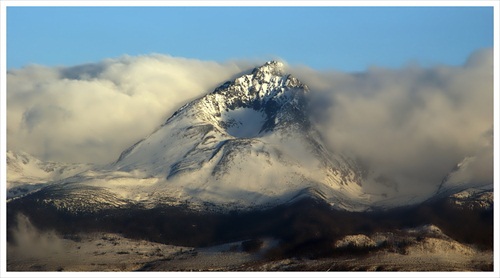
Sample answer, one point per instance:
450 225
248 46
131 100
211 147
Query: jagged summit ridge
266 93
256 103
266 85
266 82
270 67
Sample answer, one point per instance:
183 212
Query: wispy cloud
412 124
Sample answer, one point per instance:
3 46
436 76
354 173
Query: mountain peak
267 89
270 67
266 80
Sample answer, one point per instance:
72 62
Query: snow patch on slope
359 241
244 122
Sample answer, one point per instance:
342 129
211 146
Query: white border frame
3 90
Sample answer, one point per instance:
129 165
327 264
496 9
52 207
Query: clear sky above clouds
340 38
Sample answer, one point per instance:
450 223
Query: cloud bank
409 126
90 113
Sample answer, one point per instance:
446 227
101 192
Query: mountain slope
463 192
26 173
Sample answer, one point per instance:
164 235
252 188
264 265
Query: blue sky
339 38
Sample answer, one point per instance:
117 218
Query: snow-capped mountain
248 144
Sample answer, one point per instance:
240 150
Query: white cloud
410 125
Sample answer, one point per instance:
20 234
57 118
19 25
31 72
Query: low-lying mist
29 242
